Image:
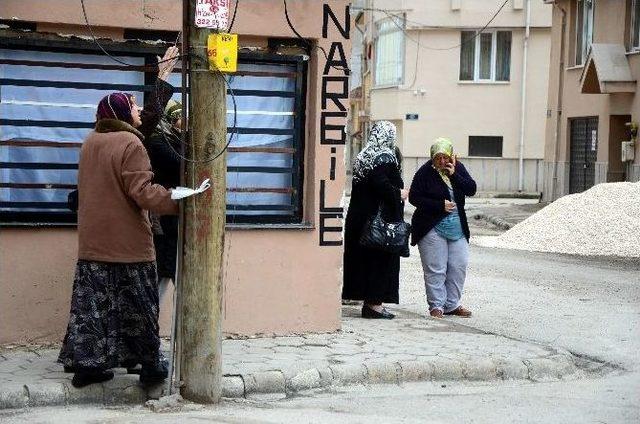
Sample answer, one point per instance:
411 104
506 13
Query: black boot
86 376
131 365
154 374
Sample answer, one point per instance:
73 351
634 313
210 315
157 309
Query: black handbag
392 237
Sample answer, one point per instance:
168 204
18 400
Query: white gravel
602 221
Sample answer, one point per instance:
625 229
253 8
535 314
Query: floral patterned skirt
114 316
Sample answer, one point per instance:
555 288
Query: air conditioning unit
628 151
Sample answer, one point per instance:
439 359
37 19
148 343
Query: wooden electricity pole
204 221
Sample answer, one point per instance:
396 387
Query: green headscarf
443 146
173 111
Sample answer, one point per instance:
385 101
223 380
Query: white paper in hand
182 192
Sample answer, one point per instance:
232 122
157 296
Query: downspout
523 113
556 152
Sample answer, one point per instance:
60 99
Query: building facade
593 107
428 68
285 171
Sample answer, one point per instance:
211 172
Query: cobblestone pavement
408 348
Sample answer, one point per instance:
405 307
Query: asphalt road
588 306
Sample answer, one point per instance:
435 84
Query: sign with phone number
212 14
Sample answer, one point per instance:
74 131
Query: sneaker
460 312
436 313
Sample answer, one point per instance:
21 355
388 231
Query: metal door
584 149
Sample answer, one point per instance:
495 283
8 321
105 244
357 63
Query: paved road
610 401
588 306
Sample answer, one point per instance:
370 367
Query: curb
279 384
276 385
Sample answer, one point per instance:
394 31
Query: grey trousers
444 263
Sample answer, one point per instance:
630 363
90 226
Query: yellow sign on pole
222 50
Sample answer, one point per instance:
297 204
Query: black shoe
387 311
86 377
154 374
69 370
367 312
131 366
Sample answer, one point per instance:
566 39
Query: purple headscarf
115 106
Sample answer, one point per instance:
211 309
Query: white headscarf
379 150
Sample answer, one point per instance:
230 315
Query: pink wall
277 281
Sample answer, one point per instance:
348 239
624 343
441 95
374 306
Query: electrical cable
233 18
115 59
234 132
309 45
234 128
392 16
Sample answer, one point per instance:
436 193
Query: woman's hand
449 206
451 166
404 193
167 62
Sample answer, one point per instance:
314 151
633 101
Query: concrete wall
491 175
277 280
610 27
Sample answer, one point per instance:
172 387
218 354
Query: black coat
372 275
428 192
163 147
165 163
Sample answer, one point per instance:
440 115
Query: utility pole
202 259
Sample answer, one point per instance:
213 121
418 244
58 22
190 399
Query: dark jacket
428 192
163 147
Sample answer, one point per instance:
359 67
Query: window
485 57
584 29
634 15
485 146
389 60
47 111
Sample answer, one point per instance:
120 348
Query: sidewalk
408 348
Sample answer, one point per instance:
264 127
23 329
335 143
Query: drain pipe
556 152
523 113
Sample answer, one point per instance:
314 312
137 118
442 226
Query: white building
433 73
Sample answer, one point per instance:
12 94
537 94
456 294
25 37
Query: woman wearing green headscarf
439 227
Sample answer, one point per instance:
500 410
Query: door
584 149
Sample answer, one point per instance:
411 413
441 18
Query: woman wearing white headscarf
372 275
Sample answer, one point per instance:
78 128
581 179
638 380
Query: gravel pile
602 221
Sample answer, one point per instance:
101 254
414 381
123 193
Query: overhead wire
233 18
420 45
227 84
95 40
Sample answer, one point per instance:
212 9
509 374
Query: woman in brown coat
114 304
